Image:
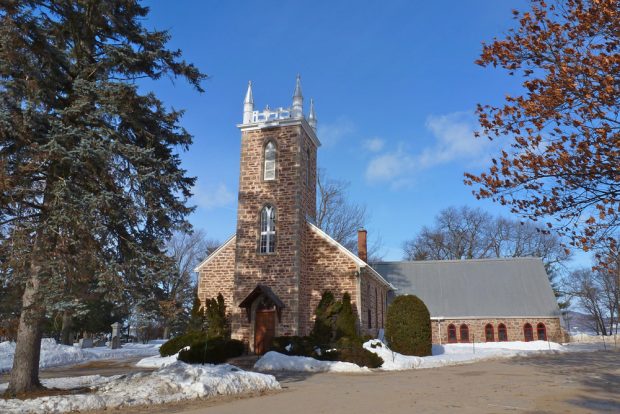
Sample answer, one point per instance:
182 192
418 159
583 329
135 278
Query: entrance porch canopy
265 291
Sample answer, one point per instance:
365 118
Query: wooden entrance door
264 330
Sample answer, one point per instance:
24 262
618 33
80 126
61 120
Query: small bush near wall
214 351
408 327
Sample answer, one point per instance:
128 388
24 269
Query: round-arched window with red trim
502 333
489 334
541 331
464 333
452 334
528 332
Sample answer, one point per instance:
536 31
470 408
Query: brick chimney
362 251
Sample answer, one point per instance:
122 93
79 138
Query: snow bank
455 354
157 361
174 382
53 354
274 361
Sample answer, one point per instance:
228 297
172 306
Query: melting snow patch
454 354
174 382
274 361
53 354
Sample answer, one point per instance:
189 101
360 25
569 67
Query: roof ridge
486 259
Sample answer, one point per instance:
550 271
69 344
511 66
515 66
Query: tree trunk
166 331
65 332
25 373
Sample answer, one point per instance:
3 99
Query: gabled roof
352 256
262 290
215 253
511 287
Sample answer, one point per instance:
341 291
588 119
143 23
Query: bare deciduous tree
340 218
470 233
177 288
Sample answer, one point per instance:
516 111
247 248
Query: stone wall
514 328
324 267
217 276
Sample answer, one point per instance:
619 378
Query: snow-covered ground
443 355
274 361
455 354
157 361
53 354
173 382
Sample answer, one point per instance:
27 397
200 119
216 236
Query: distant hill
577 322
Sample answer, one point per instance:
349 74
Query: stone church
273 271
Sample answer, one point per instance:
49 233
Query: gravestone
86 343
115 343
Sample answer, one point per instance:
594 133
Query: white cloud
332 133
388 166
210 197
373 144
452 141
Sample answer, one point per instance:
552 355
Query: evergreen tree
215 317
345 322
197 317
326 310
90 176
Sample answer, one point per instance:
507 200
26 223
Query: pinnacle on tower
298 100
248 105
312 116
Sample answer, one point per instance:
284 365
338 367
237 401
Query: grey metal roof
511 287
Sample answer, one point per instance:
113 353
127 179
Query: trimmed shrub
408 326
346 320
215 317
213 351
174 345
351 350
294 345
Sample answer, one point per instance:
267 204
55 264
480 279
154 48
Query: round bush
408 327
174 345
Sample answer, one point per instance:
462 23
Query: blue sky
394 83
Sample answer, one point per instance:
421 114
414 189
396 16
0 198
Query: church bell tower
277 195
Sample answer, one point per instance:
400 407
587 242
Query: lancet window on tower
269 172
268 229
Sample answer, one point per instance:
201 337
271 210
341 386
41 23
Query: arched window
541 330
502 334
269 172
464 333
528 333
452 334
488 333
369 318
268 229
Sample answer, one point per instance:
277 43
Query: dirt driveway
564 383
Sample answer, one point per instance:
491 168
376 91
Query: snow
174 382
455 354
274 361
157 361
443 355
53 354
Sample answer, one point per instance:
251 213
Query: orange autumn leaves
562 164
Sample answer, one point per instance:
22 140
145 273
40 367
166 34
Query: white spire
248 105
312 116
298 100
